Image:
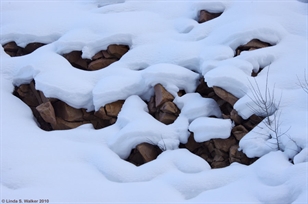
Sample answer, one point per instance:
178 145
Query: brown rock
11 47
252 122
113 109
47 112
166 118
117 50
181 93
206 16
100 63
151 106
32 46
35 92
66 125
191 144
238 156
226 96
224 144
239 132
67 112
170 107
24 92
251 45
75 59
106 54
203 88
98 56
161 95
43 97
148 152
235 117
101 113
225 108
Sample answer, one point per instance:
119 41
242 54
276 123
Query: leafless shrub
303 83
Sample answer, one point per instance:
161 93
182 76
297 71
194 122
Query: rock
203 88
117 50
252 122
113 109
43 97
235 117
67 112
35 92
151 106
101 113
170 107
47 112
225 108
226 96
24 92
161 95
100 63
66 125
251 45
98 56
148 152
206 16
106 54
166 118
239 132
238 156
191 144
75 59
224 144
11 47
32 46
181 93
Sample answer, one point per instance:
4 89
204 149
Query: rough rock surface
206 16
12 49
100 60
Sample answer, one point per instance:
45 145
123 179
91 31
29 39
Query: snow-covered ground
167 46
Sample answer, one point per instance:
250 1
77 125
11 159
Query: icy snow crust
167 46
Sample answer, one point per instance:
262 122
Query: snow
167 46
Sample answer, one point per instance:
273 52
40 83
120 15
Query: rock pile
161 105
12 49
100 60
143 153
54 114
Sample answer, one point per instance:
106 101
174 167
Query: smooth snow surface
167 46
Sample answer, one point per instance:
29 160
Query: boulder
161 95
206 16
113 109
32 46
252 122
203 88
166 118
148 152
47 112
238 156
224 144
191 144
251 45
67 112
100 63
24 92
98 55
106 54
226 96
66 125
236 117
170 107
151 106
76 60
101 113
11 47
117 50
239 132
